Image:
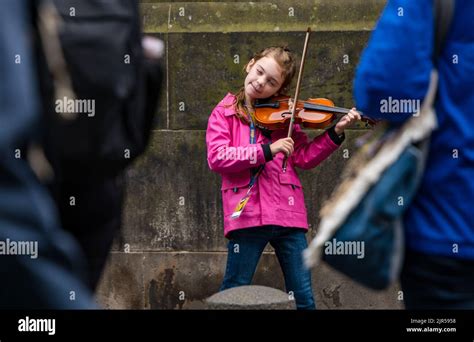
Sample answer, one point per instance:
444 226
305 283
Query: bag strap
443 15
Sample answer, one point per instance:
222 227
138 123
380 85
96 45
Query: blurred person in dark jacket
96 132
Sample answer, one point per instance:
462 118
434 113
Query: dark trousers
437 282
91 210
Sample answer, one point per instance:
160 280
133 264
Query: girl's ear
250 65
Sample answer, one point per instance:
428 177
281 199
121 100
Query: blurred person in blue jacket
396 66
41 266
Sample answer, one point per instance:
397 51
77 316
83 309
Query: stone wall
171 252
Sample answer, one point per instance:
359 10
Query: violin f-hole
276 116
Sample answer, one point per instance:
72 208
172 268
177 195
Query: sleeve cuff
267 152
337 139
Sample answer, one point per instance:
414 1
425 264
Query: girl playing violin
262 204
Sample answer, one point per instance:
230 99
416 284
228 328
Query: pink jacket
277 197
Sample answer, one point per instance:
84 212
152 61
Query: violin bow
297 92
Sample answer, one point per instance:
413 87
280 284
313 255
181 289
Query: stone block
173 280
185 280
121 286
260 16
173 200
204 67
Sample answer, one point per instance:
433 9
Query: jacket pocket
233 190
290 191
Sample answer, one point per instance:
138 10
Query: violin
316 113
274 113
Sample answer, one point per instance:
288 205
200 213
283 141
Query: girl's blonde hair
287 62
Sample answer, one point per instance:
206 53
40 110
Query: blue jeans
245 247
437 282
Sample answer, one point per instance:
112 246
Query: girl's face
264 79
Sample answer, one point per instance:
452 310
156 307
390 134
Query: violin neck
309 106
327 109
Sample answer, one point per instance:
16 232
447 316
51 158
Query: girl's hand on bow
285 145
